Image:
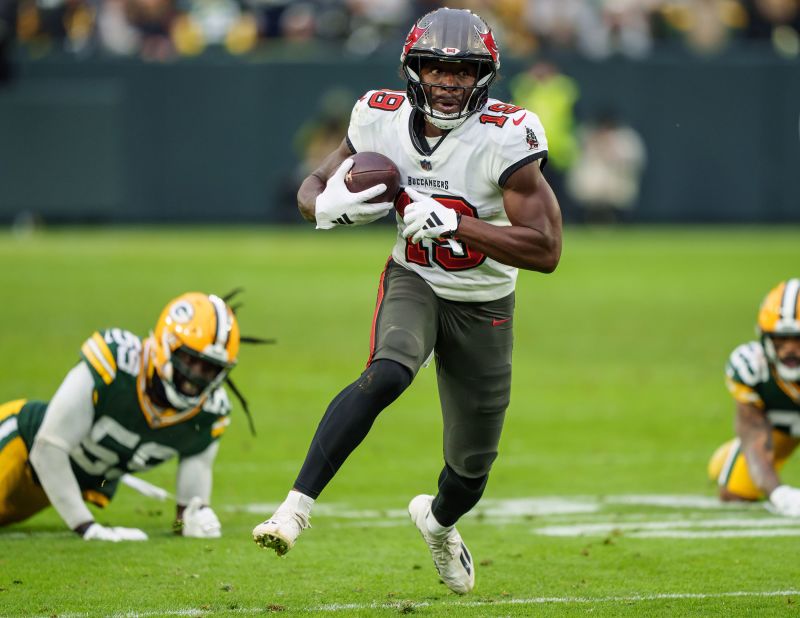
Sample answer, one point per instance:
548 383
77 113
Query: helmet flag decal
491 45
413 36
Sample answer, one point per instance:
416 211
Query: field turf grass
598 504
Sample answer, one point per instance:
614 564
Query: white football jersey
465 170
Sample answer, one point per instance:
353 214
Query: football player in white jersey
476 207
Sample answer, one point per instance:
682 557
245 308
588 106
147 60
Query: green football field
598 503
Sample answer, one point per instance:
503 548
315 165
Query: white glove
336 205
98 532
427 218
200 521
786 501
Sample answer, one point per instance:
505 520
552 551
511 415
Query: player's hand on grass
426 218
337 205
200 521
785 500
98 532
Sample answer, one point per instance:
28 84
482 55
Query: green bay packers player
477 208
128 405
764 378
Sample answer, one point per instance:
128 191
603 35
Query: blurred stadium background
188 114
212 110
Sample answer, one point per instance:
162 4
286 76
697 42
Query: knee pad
384 379
402 346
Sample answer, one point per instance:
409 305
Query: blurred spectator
115 31
8 15
314 140
163 29
551 95
607 174
776 21
705 26
597 29
322 134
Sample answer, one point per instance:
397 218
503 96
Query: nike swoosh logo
521 118
497 322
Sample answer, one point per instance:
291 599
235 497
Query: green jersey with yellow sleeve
129 433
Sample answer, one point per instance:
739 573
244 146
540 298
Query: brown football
370 169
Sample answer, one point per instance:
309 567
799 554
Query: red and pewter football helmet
451 35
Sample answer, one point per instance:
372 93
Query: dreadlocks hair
244 339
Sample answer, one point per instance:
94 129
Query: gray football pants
472 343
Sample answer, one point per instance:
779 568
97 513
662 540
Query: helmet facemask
193 377
778 321
791 372
471 97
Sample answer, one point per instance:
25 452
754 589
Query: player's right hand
786 501
336 205
98 532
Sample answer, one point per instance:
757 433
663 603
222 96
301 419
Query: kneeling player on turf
764 379
128 405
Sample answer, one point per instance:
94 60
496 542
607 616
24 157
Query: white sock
299 502
434 527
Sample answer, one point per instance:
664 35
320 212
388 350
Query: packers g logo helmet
194 345
779 316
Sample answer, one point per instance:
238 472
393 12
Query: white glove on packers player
200 521
98 532
427 218
337 205
786 501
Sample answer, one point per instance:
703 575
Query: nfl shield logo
426 165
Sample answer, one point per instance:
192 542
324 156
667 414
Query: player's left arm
533 240
194 517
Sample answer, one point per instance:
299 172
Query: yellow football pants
728 466
20 496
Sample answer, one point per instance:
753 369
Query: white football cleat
450 556
281 530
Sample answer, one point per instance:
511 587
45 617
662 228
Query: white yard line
747 533
350 607
345 607
540 506
603 528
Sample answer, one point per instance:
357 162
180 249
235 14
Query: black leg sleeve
347 422
457 495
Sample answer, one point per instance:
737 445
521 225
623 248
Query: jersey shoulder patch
109 351
516 134
748 365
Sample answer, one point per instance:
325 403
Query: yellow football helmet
779 316
193 347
